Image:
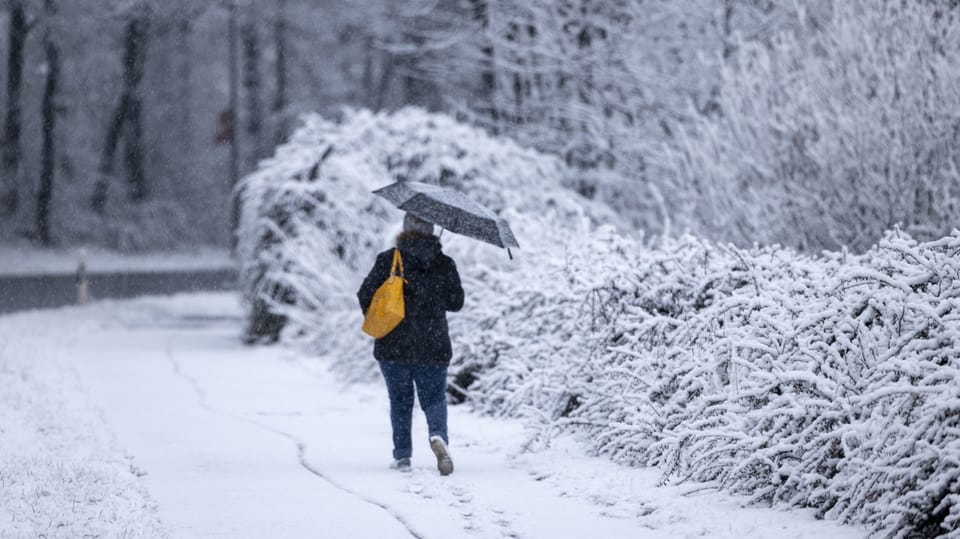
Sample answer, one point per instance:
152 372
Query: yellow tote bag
386 309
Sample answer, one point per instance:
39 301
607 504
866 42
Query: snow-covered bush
830 383
827 382
311 228
831 133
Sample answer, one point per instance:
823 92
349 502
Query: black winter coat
432 288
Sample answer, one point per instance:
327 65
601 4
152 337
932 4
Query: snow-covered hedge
830 382
310 228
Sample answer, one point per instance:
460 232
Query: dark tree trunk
488 80
408 79
518 96
234 68
251 85
386 77
367 78
12 152
514 80
185 74
49 122
134 63
133 155
488 77
280 99
127 115
99 200
418 88
728 46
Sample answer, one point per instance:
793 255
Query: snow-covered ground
148 417
25 260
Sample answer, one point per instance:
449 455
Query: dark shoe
444 462
402 465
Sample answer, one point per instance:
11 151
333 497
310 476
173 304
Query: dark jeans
431 385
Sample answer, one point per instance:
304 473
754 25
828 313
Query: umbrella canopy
451 210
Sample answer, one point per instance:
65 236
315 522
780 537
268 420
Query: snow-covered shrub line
827 382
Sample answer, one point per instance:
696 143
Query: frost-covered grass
60 472
827 382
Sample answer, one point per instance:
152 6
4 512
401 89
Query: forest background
815 124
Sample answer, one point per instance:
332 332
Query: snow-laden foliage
827 382
605 85
831 134
815 124
830 382
310 227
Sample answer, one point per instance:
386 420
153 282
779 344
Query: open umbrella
451 210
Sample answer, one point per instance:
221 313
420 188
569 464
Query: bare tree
12 151
49 121
128 115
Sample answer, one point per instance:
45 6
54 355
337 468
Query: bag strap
397 261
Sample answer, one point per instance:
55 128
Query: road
22 292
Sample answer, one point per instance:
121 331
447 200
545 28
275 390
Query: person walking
415 355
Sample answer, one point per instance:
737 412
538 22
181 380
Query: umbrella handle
509 253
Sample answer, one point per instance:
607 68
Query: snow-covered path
188 406
256 442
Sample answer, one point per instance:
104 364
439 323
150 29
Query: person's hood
418 249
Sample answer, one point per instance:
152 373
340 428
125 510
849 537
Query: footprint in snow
478 519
